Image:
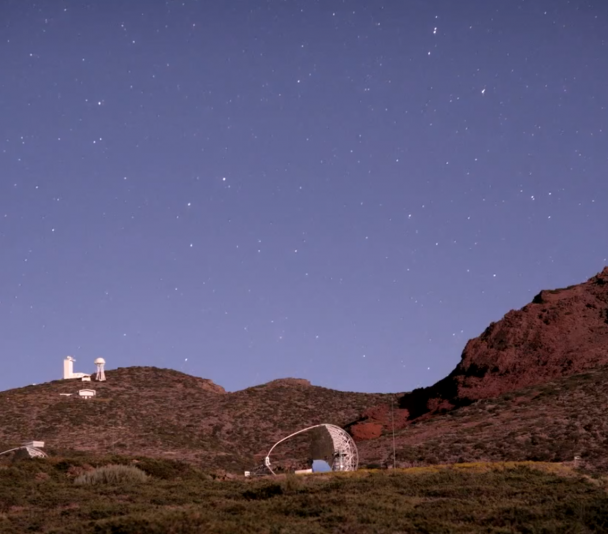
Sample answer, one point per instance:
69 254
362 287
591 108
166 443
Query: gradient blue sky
343 191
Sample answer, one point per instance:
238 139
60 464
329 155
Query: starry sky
339 190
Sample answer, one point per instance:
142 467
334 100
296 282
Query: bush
292 484
165 469
112 474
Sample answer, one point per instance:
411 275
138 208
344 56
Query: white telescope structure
100 376
345 454
31 449
68 370
68 367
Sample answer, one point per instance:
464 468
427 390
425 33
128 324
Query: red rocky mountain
560 333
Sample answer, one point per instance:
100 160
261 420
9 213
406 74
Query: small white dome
99 360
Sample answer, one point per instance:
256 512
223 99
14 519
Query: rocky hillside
554 422
560 333
165 413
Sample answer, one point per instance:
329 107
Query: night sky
343 191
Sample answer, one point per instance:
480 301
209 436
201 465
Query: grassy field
53 496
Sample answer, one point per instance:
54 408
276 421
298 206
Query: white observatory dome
99 361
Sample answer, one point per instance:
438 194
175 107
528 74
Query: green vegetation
40 496
112 474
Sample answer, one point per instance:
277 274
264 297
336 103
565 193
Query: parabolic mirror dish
329 443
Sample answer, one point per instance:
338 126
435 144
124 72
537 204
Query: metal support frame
346 456
32 451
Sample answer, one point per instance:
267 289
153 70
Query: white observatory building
100 376
68 370
68 367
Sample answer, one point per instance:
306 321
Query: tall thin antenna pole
393 424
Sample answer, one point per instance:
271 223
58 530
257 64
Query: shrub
292 484
166 469
112 474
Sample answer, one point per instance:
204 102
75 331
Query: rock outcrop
376 419
560 333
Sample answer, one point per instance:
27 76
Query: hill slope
554 422
160 412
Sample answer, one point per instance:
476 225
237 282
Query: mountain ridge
561 334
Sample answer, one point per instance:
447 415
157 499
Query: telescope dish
345 454
28 450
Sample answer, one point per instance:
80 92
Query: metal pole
393 424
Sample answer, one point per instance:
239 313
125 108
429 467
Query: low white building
36 444
87 393
303 471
